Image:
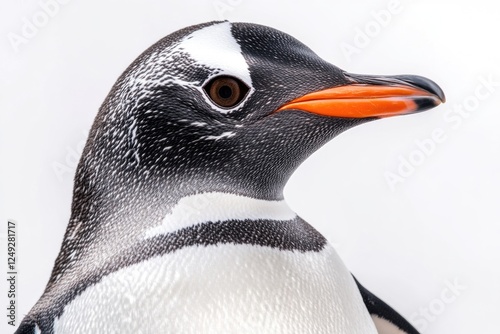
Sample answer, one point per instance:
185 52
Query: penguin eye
226 91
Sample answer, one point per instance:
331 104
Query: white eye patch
212 47
215 47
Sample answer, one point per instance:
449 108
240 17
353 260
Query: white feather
219 207
223 289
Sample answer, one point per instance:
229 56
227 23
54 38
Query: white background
441 224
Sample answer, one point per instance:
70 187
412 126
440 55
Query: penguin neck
167 207
141 195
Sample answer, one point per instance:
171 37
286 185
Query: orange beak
378 97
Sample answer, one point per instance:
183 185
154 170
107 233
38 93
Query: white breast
223 289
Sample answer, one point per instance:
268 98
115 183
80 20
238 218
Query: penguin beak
372 96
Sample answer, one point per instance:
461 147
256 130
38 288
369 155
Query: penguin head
237 107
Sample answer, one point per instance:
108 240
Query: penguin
178 220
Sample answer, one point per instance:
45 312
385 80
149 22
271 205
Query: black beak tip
423 83
412 80
424 104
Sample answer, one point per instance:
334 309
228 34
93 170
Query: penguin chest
223 289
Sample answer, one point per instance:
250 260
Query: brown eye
226 91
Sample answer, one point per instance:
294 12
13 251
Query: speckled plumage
135 260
